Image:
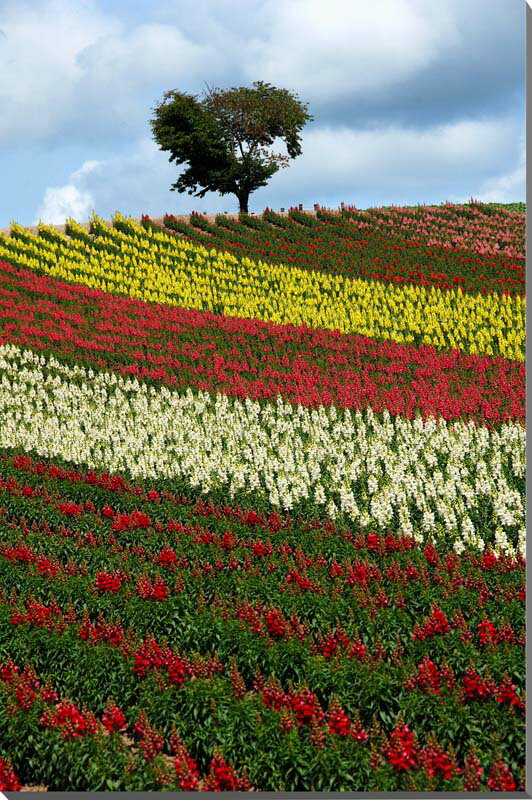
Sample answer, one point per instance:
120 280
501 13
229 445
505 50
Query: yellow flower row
154 266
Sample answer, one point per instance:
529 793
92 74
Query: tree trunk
243 198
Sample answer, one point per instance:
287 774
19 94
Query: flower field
262 502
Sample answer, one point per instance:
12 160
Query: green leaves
224 138
205 617
192 136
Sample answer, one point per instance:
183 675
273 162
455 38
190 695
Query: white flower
332 510
283 452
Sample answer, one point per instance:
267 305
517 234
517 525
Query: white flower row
432 476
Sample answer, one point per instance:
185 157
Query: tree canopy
225 138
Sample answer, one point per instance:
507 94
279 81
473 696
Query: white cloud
70 69
65 66
62 202
384 158
506 188
141 57
86 168
134 183
343 47
38 71
71 200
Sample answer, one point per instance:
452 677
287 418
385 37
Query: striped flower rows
250 358
307 652
457 481
262 527
444 247
152 266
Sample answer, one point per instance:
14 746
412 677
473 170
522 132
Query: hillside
262 502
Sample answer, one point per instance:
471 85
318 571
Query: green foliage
224 138
493 208
198 621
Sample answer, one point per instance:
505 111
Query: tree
224 138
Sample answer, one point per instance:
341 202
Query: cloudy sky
413 100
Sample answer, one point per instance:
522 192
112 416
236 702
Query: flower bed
262 519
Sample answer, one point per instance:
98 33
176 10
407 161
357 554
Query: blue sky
413 100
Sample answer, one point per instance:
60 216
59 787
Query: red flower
160 590
489 559
140 520
186 770
305 707
259 549
335 570
507 693
113 719
273 695
8 671
437 762
401 753
67 716
108 582
472 772
8 780
428 677
436 623
166 557
477 688
357 649
70 508
338 720
501 779
178 671
357 730
49 695
487 632
439 621
24 697
274 623
223 777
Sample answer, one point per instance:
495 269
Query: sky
414 101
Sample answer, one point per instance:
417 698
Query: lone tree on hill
224 137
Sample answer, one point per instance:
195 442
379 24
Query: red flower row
445 247
297 707
250 358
